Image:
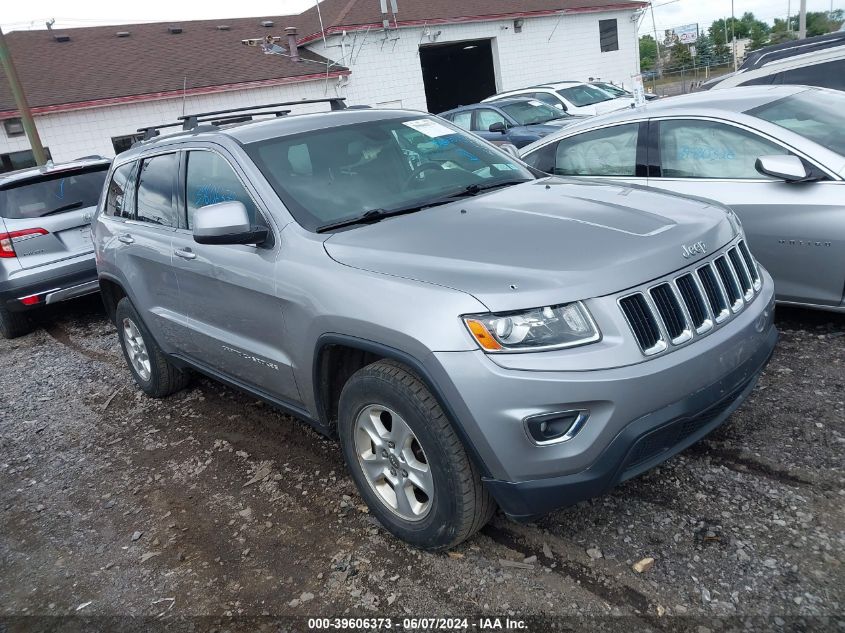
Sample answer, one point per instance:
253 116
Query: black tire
461 505
14 324
164 378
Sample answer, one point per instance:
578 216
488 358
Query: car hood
545 242
614 104
542 129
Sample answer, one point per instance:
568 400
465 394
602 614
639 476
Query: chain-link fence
676 81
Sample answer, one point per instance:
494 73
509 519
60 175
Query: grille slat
693 300
742 274
642 321
749 261
693 303
669 310
728 281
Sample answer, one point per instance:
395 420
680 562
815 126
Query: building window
123 143
13 127
19 160
608 36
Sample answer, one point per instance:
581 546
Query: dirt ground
212 504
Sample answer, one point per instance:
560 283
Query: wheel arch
338 356
111 292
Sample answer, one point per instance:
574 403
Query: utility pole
733 34
20 101
659 59
802 21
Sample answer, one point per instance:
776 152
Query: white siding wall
70 135
384 71
548 49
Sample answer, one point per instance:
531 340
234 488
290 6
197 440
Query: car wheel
154 374
14 324
407 461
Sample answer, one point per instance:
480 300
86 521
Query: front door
235 320
795 230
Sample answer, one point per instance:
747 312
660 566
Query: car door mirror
226 223
498 126
782 166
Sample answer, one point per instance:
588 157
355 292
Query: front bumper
56 282
639 415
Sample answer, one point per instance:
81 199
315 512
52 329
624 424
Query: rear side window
210 180
121 192
462 120
52 194
156 189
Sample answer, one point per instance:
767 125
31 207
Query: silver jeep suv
475 335
46 254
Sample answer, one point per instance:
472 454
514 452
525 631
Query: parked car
473 335
617 92
518 121
574 97
775 155
816 61
46 254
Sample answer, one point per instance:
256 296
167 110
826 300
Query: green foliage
679 56
648 52
704 51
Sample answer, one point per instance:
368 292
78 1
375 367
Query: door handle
185 253
126 238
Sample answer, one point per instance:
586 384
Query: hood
540 243
542 129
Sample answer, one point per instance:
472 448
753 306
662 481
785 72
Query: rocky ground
210 503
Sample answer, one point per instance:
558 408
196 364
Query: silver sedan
774 154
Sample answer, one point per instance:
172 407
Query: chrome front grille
677 310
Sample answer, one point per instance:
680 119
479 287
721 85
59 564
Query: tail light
7 240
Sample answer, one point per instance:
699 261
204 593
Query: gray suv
476 335
46 254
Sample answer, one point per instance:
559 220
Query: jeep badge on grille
699 248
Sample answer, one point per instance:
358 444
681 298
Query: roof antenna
50 23
385 22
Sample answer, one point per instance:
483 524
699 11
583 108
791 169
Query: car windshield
614 91
326 176
584 95
814 114
532 112
53 193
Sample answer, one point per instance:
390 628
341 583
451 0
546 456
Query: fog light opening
552 428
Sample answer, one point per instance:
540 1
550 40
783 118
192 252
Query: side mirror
498 126
226 223
782 166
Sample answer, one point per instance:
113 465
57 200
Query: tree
679 56
648 52
720 42
704 51
759 36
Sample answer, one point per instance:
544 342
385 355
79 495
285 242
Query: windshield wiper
64 207
375 215
476 189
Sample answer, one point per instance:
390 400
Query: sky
70 13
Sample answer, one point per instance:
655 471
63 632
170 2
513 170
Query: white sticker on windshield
535 102
430 128
504 167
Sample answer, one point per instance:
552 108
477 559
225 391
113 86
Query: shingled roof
95 66
340 15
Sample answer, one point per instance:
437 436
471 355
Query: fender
412 362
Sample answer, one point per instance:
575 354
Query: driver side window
609 151
485 118
210 179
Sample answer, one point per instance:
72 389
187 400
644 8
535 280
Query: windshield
43 195
614 91
532 112
814 114
329 175
584 95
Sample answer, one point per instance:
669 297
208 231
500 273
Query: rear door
49 217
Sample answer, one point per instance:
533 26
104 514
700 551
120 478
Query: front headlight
552 327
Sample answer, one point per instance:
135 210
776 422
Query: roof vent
223 27
62 37
122 34
267 23
174 30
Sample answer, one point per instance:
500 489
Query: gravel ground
210 503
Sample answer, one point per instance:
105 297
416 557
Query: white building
90 89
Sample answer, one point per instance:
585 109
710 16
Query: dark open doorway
456 74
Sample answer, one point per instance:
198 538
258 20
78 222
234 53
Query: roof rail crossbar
151 131
191 120
235 118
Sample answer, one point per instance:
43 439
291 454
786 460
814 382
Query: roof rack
234 115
